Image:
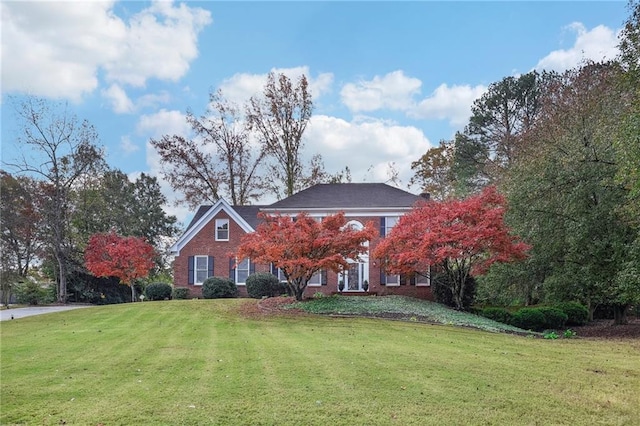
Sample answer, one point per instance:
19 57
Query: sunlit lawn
201 362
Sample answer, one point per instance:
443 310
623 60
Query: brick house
206 248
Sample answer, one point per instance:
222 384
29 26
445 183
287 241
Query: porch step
355 293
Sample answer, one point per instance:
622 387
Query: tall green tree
112 202
628 141
433 171
20 227
563 193
58 150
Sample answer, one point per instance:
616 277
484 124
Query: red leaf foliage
466 234
127 258
302 246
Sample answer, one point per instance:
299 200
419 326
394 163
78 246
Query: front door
355 276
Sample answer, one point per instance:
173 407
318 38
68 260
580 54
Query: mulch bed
604 329
598 329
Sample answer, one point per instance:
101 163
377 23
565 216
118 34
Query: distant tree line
564 148
60 192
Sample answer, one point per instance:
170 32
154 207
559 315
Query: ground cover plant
204 362
402 307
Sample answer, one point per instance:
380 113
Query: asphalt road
16 313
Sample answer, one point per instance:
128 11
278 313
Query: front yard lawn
197 362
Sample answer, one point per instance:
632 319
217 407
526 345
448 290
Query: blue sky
390 79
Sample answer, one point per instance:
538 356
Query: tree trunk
620 314
133 293
62 279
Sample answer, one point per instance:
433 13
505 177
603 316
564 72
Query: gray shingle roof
248 213
328 196
347 196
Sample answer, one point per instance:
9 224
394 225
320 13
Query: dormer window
222 229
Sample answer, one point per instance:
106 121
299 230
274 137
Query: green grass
199 362
406 308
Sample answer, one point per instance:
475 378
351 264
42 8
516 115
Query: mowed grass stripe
200 362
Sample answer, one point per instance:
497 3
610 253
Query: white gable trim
220 205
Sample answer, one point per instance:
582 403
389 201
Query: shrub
529 319
554 318
577 314
497 314
180 293
263 285
441 289
158 291
219 288
32 293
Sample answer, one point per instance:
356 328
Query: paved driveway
15 313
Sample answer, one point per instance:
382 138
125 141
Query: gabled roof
206 213
347 196
248 213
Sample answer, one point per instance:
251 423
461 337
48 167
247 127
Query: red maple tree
460 238
127 258
302 246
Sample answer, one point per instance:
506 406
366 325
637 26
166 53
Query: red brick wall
204 244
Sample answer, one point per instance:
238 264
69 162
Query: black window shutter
232 270
383 226
383 276
323 277
252 267
191 272
210 267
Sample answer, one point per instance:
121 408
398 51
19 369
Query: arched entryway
356 276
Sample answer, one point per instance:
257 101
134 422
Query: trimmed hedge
554 318
529 319
577 314
219 288
158 291
180 293
497 314
263 284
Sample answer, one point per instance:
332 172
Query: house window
316 279
222 229
423 279
201 270
242 271
389 223
278 273
392 280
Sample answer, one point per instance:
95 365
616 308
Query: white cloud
600 43
452 103
393 91
365 145
127 146
241 86
120 102
163 123
56 49
396 91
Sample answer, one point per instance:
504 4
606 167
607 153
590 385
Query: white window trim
388 284
428 278
319 284
219 223
237 269
387 228
195 269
